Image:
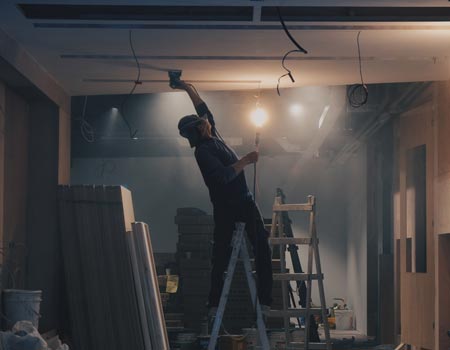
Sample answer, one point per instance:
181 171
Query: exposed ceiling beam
92 12
146 26
27 66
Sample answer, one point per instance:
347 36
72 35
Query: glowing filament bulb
259 117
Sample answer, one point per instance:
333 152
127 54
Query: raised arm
200 106
192 92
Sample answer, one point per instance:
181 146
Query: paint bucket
344 319
21 305
251 337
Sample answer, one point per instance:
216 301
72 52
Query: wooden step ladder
239 251
278 239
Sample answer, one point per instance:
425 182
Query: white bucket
251 337
344 319
21 305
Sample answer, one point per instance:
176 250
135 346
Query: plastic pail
21 305
344 319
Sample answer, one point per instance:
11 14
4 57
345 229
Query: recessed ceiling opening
137 13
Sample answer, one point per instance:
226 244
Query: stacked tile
194 250
101 288
239 312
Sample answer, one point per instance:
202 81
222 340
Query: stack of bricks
194 253
194 250
239 312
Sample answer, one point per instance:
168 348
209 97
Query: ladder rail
284 287
321 291
254 296
309 282
287 240
273 227
239 250
236 243
292 246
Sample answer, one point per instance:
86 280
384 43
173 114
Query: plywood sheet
442 217
417 289
64 148
2 161
443 123
101 290
444 291
16 186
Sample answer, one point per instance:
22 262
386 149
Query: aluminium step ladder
278 238
239 251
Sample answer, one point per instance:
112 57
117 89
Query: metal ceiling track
147 26
234 17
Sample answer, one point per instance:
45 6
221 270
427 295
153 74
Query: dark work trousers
225 218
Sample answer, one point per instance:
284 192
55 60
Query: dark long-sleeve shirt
215 160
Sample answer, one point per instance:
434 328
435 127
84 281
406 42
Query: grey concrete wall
161 185
356 216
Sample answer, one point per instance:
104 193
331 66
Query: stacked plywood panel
107 279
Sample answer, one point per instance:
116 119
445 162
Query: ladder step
293 312
301 345
296 276
289 240
292 207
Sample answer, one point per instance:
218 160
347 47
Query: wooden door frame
416 128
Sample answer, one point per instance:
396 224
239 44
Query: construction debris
25 336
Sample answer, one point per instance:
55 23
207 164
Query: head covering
188 129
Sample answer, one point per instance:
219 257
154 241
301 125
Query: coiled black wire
358 94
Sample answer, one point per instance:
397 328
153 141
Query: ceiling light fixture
296 110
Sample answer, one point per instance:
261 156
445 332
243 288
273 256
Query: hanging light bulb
259 117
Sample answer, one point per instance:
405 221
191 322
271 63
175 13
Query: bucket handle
34 312
3 316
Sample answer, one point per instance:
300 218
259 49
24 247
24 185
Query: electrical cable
86 129
299 49
136 83
289 73
255 211
358 94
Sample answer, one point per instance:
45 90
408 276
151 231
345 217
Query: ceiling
93 56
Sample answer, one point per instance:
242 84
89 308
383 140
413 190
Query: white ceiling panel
96 60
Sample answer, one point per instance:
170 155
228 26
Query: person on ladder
223 173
